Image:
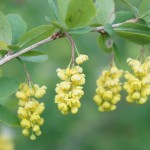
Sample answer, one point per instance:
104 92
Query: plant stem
55 36
72 48
27 73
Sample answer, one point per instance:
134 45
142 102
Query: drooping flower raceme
138 83
70 89
108 89
30 109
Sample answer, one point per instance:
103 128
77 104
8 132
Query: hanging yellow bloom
69 91
138 83
108 89
30 109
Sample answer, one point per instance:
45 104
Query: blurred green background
127 128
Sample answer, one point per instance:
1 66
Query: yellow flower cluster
69 91
30 109
138 83
6 143
108 89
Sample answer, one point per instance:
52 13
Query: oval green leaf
144 10
133 9
79 13
105 42
3 46
35 35
54 11
34 56
8 86
63 5
18 26
137 33
5 29
105 11
81 30
7 117
122 16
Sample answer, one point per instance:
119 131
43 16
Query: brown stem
112 59
143 54
57 35
72 48
27 73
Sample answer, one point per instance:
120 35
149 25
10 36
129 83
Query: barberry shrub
75 17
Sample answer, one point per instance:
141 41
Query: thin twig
72 47
101 28
15 55
112 59
51 38
27 73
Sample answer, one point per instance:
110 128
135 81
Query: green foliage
63 6
79 13
3 46
54 10
35 35
8 86
105 42
134 32
105 11
118 56
34 56
5 29
7 117
18 26
144 10
133 9
122 16
81 30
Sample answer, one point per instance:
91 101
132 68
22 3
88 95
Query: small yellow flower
81 59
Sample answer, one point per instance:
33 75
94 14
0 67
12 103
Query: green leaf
54 10
105 43
144 10
118 56
105 11
5 29
7 117
79 13
133 9
35 35
34 56
14 48
109 29
8 86
3 46
122 16
81 30
56 25
18 26
134 32
63 5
